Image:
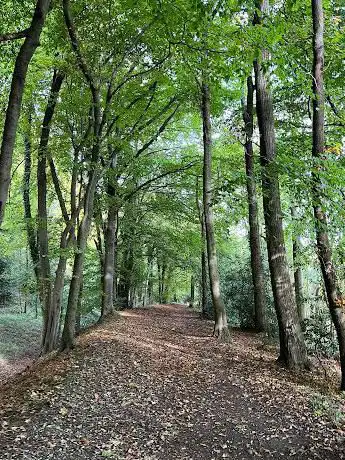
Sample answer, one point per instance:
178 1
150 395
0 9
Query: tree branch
13 35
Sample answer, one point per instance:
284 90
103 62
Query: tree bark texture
221 329
293 352
30 225
253 219
335 298
23 59
50 313
297 272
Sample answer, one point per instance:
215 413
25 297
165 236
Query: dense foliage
105 203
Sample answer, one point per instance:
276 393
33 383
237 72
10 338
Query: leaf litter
154 385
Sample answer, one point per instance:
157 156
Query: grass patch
20 335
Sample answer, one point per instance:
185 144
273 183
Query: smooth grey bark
253 219
30 224
23 59
205 310
110 239
109 261
293 353
335 297
50 303
221 329
68 333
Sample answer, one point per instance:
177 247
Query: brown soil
154 385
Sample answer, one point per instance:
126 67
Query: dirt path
155 386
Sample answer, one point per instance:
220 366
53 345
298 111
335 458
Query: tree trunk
110 237
115 286
25 54
159 281
150 276
109 261
49 300
166 276
205 311
335 299
221 329
30 225
293 352
125 282
192 291
297 272
253 219
68 333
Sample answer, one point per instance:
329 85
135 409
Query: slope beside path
153 385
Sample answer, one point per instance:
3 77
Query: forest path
154 385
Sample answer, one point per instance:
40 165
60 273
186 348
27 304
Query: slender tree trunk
25 54
297 272
79 310
221 329
115 286
160 292
150 276
109 261
125 282
192 291
292 347
68 333
163 286
335 298
110 236
30 225
205 311
50 314
254 228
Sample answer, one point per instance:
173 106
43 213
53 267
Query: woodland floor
154 385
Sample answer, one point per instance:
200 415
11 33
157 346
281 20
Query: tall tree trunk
335 299
30 225
221 329
163 284
160 282
254 228
125 282
25 54
192 291
150 275
116 269
109 261
168 272
293 352
110 236
205 310
68 333
50 315
297 272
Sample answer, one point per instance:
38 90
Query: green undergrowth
331 407
19 335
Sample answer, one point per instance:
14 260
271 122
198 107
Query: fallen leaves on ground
155 385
